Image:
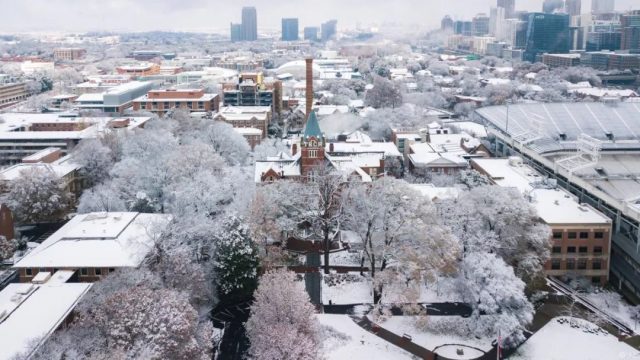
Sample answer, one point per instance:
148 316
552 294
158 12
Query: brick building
161 101
93 245
69 54
142 69
581 235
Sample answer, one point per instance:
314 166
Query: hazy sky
208 15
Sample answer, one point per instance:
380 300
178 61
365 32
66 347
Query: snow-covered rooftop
33 312
98 240
434 193
554 206
566 338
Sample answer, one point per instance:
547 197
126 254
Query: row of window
572 264
83 271
597 250
166 105
578 235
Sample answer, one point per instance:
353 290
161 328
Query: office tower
515 31
446 24
236 32
480 25
311 33
598 41
249 24
463 28
547 33
550 6
573 7
329 30
509 7
290 29
630 28
602 6
496 23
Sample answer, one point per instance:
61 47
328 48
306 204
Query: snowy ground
566 338
346 289
352 288
615 306
430 333
344 339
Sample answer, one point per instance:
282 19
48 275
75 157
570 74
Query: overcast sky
210 15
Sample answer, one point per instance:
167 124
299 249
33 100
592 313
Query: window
373 172
557 249
572 235
584 235
111 270
583 249
571 264
571 250
555 264
557 235
598 235
596 265
313 153
582 264
28 272
84 272
98 271
597 250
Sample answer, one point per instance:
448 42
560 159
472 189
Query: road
234 344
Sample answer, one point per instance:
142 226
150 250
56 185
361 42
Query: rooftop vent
609 135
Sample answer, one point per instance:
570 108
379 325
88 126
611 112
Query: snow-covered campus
359 180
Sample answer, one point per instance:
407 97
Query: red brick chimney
309 88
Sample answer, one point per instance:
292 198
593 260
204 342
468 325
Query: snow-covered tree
385 93
501 221
496 295
7 247
38 195
400 230
95 160
282 325
102 197
232 146
311 210
236 262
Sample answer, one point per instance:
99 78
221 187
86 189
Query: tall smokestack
309 88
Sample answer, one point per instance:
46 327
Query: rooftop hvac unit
515 161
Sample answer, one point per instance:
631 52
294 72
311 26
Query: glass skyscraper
547 33
290 29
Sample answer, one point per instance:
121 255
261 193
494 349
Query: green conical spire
312 129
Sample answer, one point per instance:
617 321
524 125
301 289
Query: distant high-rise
463 28
509 7
630 27
447 23
602 6
547 33
480 25
573 7
236 32
290 29
311 33
329 30
550 6
249 24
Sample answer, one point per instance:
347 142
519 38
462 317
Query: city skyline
147 15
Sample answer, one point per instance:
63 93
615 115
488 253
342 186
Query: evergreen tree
237 261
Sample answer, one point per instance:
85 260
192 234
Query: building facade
290 29
249 24
161 101
547 33
12 93
630 28
602 6
69 54
509 7
329 30
311 33
561 60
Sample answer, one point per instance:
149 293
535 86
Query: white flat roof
35 311
554 205
98 240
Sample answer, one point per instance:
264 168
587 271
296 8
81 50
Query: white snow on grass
432 331
615 306
566 338
346 289
344 339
